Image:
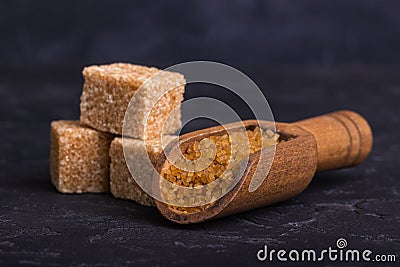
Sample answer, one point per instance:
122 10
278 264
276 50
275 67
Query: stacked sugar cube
87 155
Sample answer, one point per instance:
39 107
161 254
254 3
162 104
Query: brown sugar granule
108 90
79 159
219 168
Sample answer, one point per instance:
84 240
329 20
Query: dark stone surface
41 226
309 57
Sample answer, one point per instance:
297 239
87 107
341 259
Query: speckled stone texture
79 161
108 90
122 184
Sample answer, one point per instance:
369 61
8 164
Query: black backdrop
308 57
241 33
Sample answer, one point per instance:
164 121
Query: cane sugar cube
122 184
108 90
79 160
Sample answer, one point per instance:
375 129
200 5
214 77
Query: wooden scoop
335 140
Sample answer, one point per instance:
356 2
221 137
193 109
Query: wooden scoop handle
344 138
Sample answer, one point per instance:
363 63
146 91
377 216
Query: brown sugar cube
108 90
79 160
122 184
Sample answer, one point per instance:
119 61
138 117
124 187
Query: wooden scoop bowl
335 140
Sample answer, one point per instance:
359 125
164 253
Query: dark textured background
309 57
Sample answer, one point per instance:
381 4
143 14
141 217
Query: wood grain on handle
344 139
